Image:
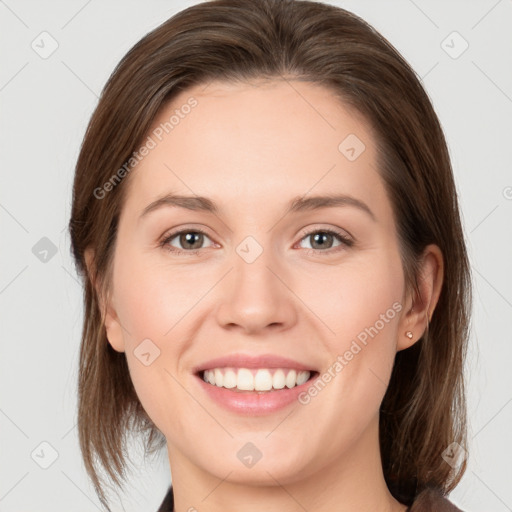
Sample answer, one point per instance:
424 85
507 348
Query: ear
107 308
420 306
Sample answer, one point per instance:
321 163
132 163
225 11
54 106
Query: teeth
230 379
263 379
219 378
291 379
245 380
302 377
278 380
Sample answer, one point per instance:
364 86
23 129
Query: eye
322 240
189 240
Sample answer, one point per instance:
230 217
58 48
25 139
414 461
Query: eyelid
332 229
177 231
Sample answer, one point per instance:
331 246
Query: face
261 277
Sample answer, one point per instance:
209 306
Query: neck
351 482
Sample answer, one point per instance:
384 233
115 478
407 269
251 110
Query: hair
424 408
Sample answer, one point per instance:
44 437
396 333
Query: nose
255 296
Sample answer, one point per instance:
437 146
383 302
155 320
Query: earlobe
108 313
421 306
114 332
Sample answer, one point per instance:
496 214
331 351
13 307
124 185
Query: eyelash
347 242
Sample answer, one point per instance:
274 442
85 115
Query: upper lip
250 361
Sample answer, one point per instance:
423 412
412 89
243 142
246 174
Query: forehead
255 144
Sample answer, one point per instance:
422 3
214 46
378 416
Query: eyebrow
297 204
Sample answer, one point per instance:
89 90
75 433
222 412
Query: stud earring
409 334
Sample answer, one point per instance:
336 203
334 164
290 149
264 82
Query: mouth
254 384
256 380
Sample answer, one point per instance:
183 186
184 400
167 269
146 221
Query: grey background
45 106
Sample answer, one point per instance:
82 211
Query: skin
251 148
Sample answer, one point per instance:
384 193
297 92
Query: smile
255 379
254 384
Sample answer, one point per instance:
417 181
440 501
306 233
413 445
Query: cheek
355 295
152 298
361 305
150 307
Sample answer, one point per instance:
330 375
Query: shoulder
168 503
430 500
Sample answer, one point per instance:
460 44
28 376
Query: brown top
432 500
429 500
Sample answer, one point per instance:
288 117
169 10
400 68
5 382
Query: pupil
189 237
321 235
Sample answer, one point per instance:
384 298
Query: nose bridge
252 262
254 297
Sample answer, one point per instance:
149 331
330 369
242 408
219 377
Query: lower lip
253 403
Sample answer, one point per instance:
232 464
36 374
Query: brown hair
424 408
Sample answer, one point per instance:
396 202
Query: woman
306 350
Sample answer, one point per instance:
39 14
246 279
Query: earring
409 334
